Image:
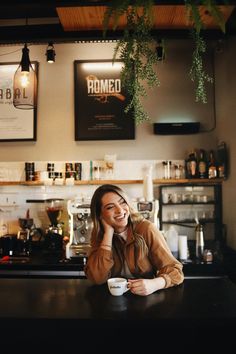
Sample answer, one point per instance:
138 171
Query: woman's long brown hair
134 218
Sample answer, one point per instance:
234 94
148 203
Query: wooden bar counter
72 314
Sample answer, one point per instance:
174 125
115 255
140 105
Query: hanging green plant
137 49
197 73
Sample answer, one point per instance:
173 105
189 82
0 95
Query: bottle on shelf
202 164
187 170
166 169
222 160
178 171
212 169
191 165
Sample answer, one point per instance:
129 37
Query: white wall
55 118
226 128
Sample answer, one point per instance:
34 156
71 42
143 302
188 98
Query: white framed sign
15 124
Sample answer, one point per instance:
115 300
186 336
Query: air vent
176 128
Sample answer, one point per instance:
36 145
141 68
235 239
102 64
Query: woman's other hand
145 287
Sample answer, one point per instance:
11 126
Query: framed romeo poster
15 124
100 101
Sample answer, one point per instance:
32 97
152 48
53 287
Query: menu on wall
100 102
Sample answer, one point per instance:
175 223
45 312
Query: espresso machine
80 227
149 210
53 243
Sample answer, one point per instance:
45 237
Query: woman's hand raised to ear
108 233
107 227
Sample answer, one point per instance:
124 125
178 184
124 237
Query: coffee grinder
23 235
54 234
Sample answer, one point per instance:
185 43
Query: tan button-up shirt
103 264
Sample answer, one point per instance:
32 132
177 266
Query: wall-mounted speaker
176 128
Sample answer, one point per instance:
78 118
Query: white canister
183 247
172 240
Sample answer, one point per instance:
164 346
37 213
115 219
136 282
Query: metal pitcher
199 241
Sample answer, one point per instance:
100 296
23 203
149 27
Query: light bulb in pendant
25 83
24 79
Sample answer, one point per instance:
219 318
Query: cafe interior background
174 99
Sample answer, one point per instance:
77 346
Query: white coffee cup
165 197
117 286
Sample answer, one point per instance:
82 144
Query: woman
125 244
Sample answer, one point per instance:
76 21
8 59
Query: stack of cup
183 247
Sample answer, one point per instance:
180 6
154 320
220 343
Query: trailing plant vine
197 73
137 49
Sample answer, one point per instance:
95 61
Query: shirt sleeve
99 264
166 265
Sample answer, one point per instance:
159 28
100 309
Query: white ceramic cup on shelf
117 286
165 197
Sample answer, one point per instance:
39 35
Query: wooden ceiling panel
169 17
81 18
87 18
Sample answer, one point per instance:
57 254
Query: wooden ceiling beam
82 20
165 17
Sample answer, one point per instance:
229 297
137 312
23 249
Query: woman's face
115 211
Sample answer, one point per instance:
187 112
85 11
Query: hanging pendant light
50 53
25 83
160 50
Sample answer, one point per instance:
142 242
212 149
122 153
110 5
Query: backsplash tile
15 199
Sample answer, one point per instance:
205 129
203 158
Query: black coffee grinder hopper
54 233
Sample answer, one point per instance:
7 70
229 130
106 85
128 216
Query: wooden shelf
211 181
115 181
120 181
85 182
10 183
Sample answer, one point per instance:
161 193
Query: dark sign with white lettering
100 102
